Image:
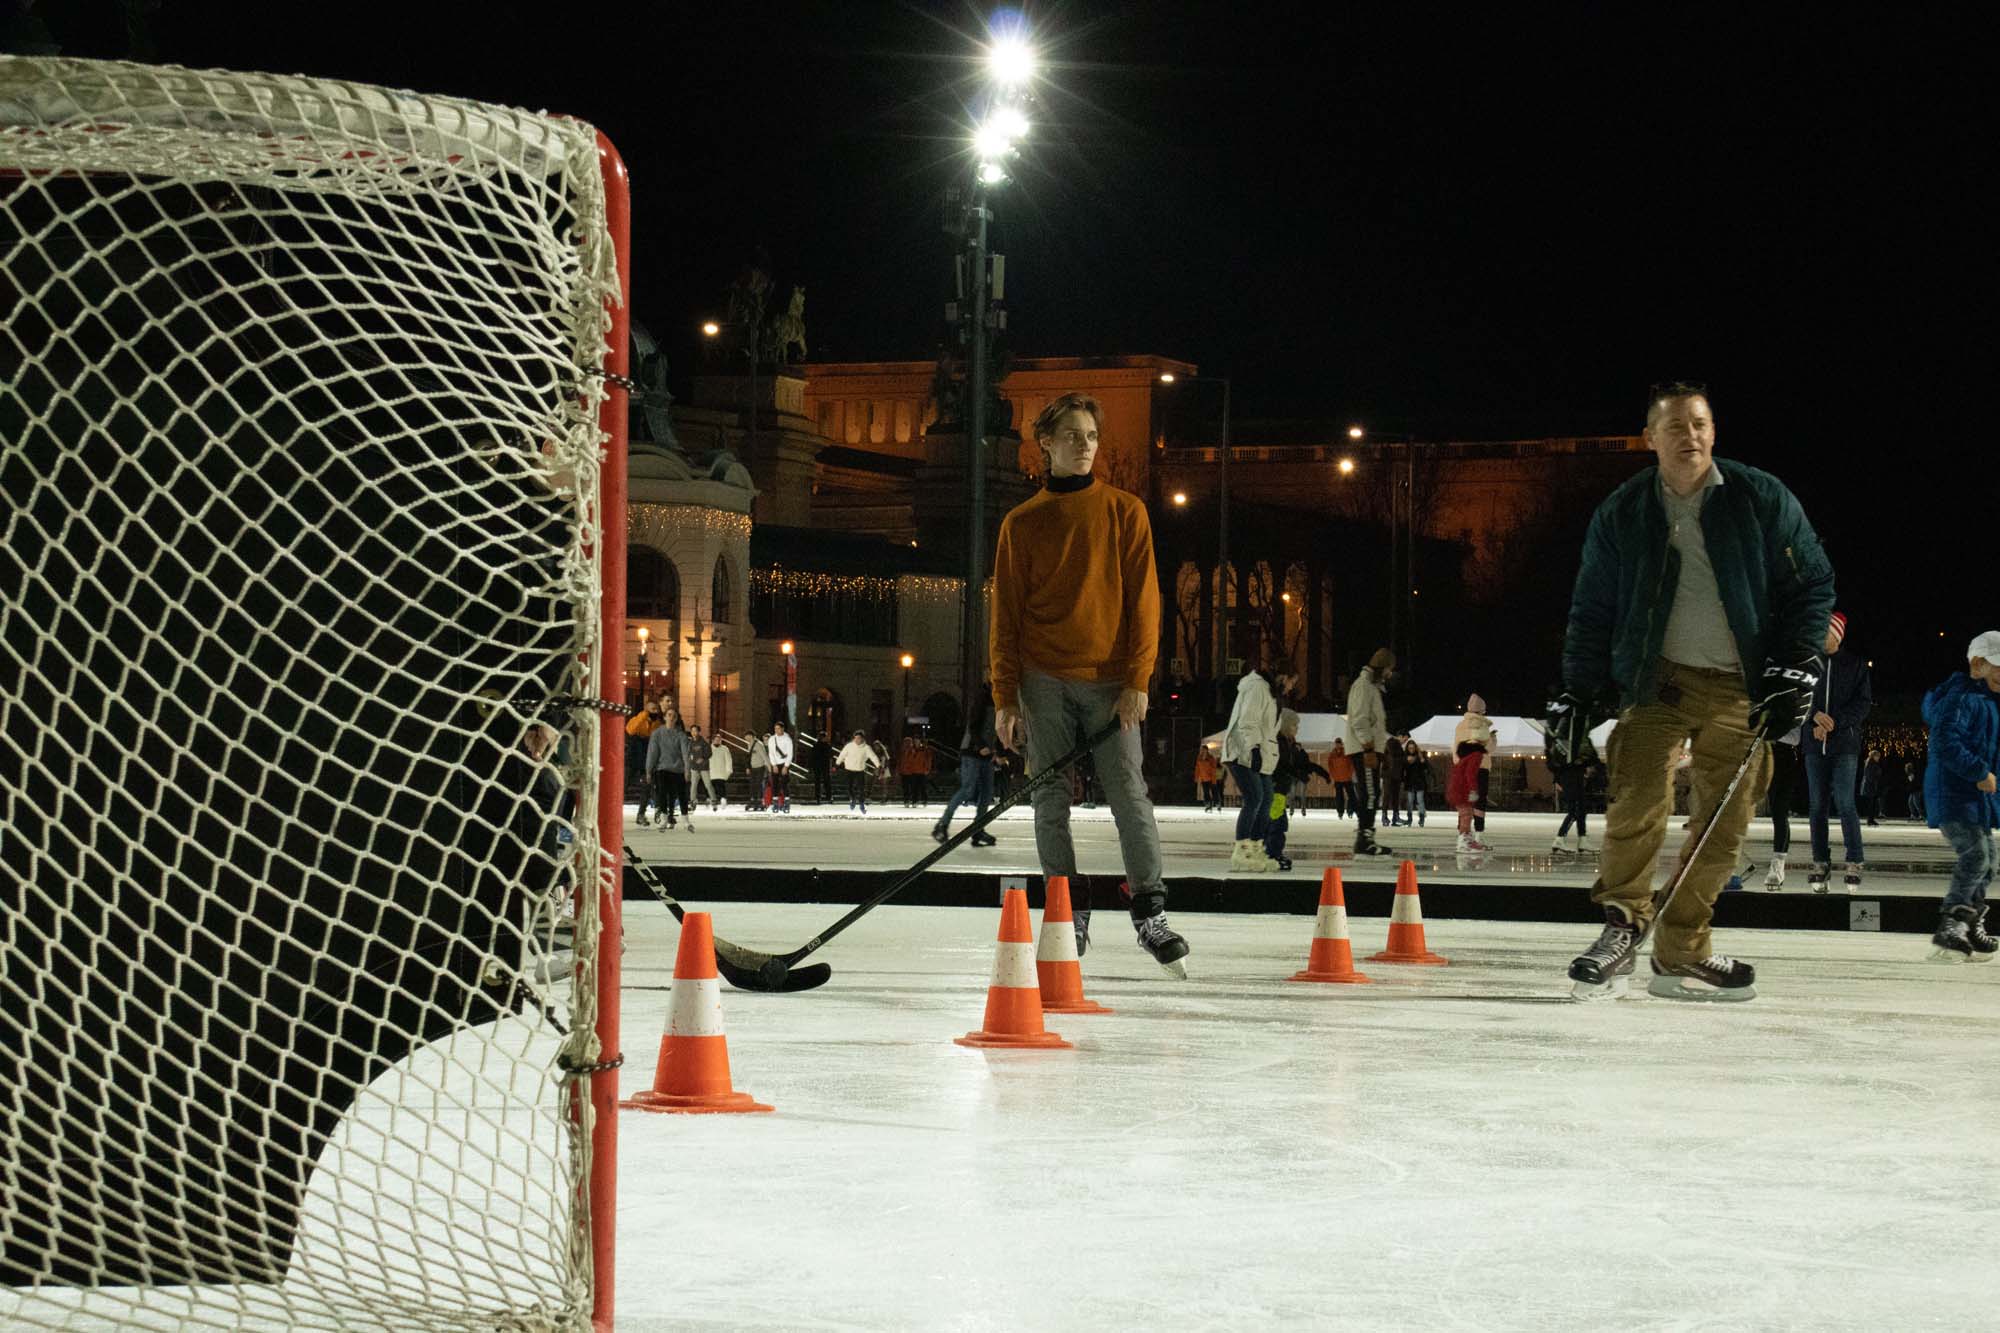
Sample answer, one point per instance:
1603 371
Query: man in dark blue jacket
1832 750
1963 795
1699 613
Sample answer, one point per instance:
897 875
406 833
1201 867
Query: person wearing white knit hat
1962 796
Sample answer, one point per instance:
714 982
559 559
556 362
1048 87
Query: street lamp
1222 616
1346 467
644 636
1180 497
711 329
908 661
1400 591
789 649
1010 66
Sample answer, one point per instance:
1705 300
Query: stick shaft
1687 863
978 825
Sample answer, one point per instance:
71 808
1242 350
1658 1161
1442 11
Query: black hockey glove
1785 698
1571 715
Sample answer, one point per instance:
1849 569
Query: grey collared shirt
1698 633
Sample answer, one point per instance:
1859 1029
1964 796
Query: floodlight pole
973 638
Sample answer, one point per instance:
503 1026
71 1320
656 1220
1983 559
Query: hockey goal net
314 519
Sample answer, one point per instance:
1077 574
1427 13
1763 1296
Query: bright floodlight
1355 432
1010 61
908 661
711 328
1166 377
1180 497
1010 121
1346 467
989 141
991 173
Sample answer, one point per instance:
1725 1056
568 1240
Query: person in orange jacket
1208 778
637 732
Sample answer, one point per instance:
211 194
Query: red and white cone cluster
1014 999
1332 955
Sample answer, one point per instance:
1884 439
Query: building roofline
1146 361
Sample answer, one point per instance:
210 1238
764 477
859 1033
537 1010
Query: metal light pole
644 635
1010 65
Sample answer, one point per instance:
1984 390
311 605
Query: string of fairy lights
806 583
658 525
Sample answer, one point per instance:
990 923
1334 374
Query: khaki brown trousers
1710 710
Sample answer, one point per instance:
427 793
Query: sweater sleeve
1141 581
1003 649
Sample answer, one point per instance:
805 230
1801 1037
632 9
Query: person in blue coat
1960 790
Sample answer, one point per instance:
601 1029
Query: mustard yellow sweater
1075 594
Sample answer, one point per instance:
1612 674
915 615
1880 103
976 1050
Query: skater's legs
1845 770
1274 837
1118 761
1254 819
1784 763
1641 798
1052 730
1819 798
1722 735
1975 866
1366 786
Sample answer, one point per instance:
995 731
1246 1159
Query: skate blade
1176 969
1676 988
1613 988
1949 957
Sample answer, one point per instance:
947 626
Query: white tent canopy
1513 737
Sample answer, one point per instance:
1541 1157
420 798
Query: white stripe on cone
1058 943
696 1008
1406 911
1014 967
1331 923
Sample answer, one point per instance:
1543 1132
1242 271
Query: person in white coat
779 748
1250 750
1368 724
720 766
857 759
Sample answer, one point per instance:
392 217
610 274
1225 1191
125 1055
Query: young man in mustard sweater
1076 627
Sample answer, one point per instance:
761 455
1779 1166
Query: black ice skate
1953 941
1365 845
1851 876
1080 918
1983 945
1159 939
1716 977
1603 971
1817 877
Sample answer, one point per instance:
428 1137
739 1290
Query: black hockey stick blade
777 974
741 967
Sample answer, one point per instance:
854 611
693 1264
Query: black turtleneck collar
1069 485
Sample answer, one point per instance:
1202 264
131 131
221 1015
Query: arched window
722 593
652 585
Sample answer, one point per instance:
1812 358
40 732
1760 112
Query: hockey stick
740 967
1666 899
776 974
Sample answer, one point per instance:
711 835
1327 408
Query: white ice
1444 1148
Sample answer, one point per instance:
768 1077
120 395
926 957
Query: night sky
1463 222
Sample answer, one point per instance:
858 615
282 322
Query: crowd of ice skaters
1702 620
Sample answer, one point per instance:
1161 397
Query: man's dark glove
1571 715
1785 698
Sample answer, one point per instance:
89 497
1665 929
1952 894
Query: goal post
313 456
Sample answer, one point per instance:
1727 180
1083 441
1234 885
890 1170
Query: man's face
1073 446
1683 436
1988 672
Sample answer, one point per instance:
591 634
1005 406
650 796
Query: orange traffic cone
1406 925
693 1076
1332 956
1055 956
1014 1000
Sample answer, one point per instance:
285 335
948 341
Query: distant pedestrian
1915 790
857 760
759 764
699 754
1572 781
1832 752
1475 708
1250 749
1416 781
1368 723
1472 752
1208 777
913 765
1871 787
636 733
977 750
720 765
1340 774
667 763
1294 769
1963 795
1393 760
780 749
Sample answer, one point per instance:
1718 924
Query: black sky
1458 221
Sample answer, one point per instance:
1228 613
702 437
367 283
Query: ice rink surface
1446 1148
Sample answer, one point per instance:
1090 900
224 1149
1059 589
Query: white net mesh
299 439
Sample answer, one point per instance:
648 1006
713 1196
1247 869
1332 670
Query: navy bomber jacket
1775 581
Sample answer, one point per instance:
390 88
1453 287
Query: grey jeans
1059 715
